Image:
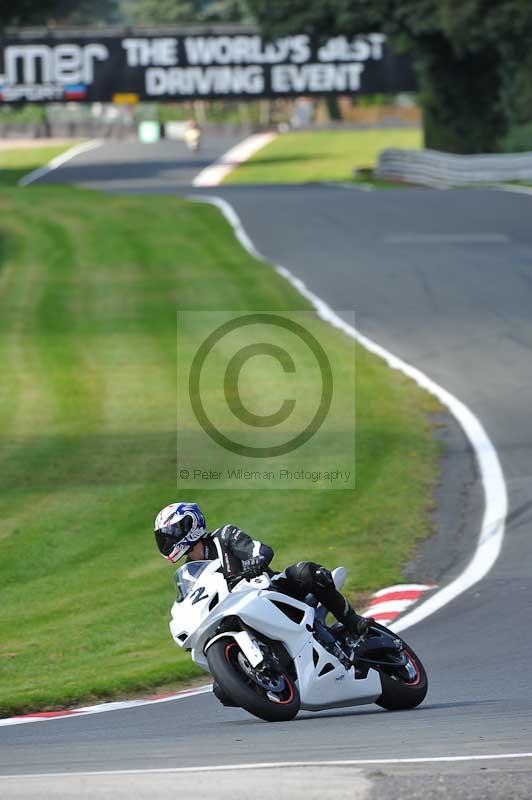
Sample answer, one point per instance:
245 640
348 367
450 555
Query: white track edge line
273 765
492 529
100 708
216 172
515 188
62 158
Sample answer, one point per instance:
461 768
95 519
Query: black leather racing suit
236 549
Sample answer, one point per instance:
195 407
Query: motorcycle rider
192 135
180 529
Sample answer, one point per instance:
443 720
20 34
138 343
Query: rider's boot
339 605
355 624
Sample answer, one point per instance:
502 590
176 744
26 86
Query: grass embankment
89 286
15 162
305 156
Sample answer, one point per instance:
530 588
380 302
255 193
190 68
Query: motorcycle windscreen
187 575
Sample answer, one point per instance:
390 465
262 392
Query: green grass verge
301 157
89 286
18 161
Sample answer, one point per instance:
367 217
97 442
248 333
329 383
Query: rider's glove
253 567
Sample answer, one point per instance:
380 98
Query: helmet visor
168 536
165 542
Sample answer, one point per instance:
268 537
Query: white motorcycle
274 655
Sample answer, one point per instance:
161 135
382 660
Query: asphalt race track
134 166
444 280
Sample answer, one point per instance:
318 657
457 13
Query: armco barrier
431 168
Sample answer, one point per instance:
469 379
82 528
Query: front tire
227 669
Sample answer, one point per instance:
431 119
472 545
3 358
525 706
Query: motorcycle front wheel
271 696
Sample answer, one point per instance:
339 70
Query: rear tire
226 671
400 692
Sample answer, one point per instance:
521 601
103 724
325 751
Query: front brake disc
266 682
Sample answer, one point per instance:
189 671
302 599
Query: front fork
245 641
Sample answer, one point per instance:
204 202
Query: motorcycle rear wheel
402 689
226 669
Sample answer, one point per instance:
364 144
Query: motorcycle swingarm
373 652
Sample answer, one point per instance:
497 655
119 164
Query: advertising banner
183 66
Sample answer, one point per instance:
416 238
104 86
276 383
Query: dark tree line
48 12
125 12
473 58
